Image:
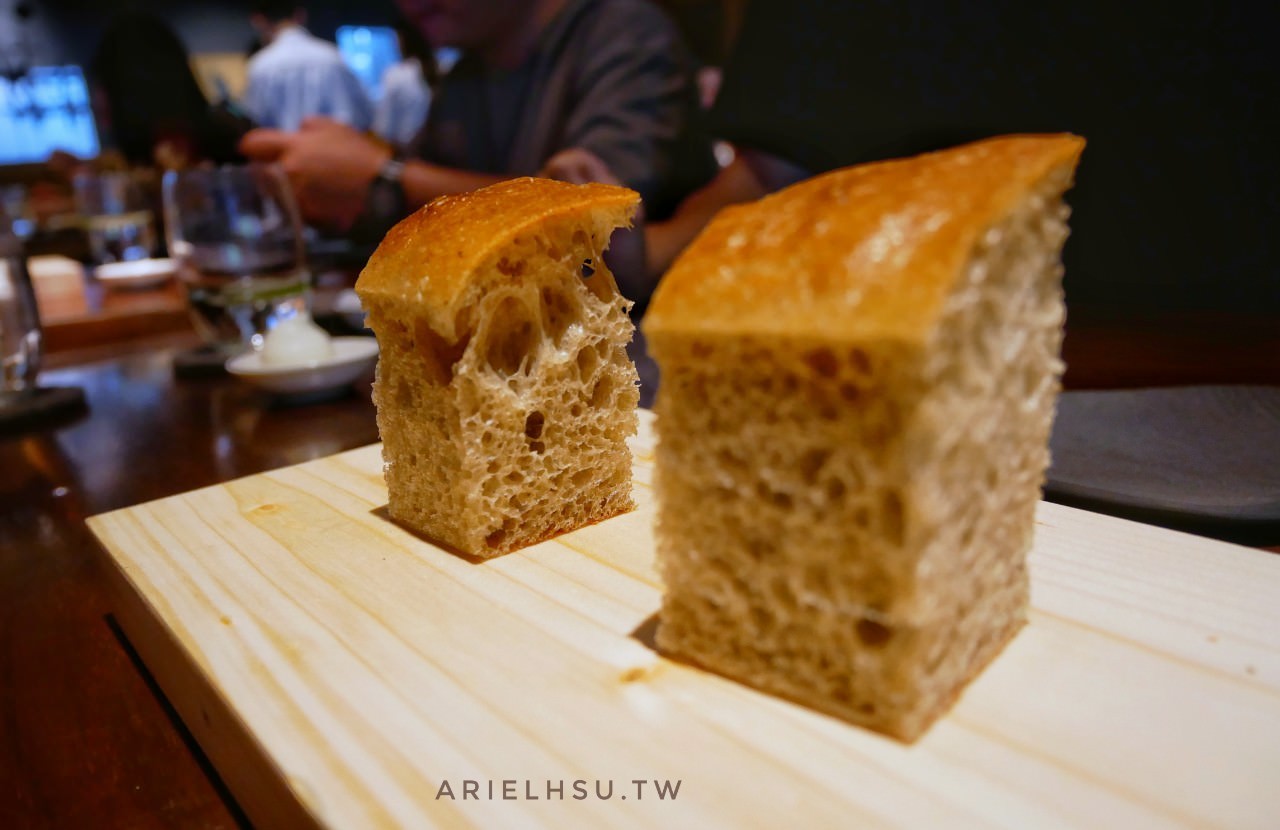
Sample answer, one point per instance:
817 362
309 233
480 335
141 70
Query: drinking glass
21 344
237 239
15 210
118 218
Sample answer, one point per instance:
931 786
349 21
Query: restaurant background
1177 192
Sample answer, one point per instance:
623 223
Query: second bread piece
504 392
858 378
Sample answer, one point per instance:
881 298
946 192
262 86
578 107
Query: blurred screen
369 50
46 110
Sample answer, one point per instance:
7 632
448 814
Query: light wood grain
338 668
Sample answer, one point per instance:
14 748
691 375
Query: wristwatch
386 192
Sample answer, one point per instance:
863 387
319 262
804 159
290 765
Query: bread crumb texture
504 392
845 510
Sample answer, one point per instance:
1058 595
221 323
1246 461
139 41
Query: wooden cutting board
340 671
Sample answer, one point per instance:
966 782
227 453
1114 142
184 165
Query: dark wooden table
86 739
78 312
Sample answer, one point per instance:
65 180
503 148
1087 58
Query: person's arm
423 181
751 175
635 98
331 167
641 257
665 240
626 253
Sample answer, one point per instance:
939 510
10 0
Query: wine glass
21 341
118 217
237 238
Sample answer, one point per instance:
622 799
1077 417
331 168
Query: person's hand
626 254
578 166
329 166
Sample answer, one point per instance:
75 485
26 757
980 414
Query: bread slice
858 381
504 392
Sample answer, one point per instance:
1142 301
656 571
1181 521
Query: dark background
1176 202
68 30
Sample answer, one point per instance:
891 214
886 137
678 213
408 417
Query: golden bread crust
868 251
434 257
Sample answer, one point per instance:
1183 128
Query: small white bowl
352 357
348 305
134 274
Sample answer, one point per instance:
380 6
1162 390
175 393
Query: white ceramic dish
138 273
348 305
352 357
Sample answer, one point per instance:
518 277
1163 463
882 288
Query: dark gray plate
1199 458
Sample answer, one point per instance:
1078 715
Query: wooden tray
339 671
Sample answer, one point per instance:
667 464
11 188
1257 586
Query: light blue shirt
298 75
405 101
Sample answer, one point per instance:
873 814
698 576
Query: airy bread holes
598 279
494 539
511 338
823 361
438 355
860 361
558 313
873 633
603 391
588 361
811 463
778 498
533 424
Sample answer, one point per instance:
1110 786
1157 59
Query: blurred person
148 103
536 78
1174 202
406 88
296 75
708 27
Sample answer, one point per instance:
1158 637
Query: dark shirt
1175 203
609 76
